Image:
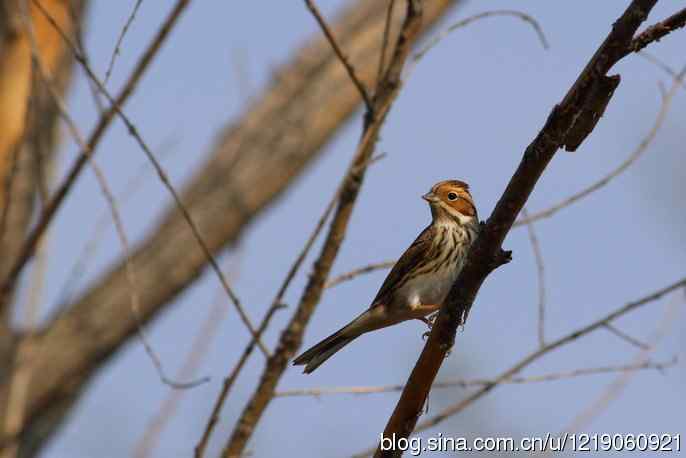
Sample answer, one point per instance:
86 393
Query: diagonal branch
53 205
508 375
550 346
311 90
291 338
578 108
339 52
164 178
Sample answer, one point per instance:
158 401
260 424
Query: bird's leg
429 314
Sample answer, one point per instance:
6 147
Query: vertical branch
540 271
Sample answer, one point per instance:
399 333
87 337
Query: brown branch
554 345
539 353
341 56
291 337
311 90
621 168
164 178
486 254
276 304
117 46
51 207
109 198
657 31
465 383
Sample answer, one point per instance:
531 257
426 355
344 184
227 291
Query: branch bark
487 254
281 133
387 90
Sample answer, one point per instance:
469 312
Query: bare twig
539 353
662 66
626 337
190 366
341 56
90 248
385 39
633 157
568 124
276 304
464 22
51 207
133 131
615 388
335 281
122 34
464 383
554 345
291 337
116 217
540 271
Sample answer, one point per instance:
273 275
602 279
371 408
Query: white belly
431 289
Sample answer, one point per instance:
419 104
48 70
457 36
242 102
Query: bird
420 280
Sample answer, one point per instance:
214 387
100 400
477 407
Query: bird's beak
430 197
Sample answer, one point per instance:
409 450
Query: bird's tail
315 356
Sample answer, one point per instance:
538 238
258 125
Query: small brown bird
422 277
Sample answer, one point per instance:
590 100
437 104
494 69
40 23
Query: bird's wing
410 258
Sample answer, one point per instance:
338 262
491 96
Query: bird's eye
452 196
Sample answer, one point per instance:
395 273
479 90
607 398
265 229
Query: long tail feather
315 356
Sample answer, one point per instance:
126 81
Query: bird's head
451 199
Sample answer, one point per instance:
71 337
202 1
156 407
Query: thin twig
199 348
46 217
122 34
527 360
341 56
568 124
114 211
659 63
615 388
133 131
464 383
464 22
90 248
633 157
291 337
79 42
540 271
277 304
554 345
626 337
384 40
335 281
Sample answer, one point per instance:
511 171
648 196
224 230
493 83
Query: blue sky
467 111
